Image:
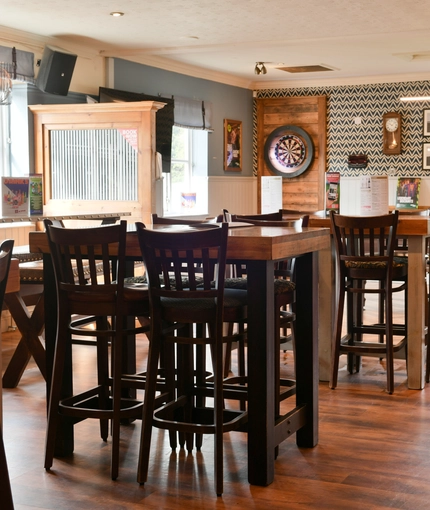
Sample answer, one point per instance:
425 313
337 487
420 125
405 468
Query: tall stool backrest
365 248
170 258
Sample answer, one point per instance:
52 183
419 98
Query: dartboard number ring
288 151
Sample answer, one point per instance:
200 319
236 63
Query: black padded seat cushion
31 271
23 254
232 298
398 262
143 280
281 286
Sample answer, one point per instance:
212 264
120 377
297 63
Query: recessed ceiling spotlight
117 14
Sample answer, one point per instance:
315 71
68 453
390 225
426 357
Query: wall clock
288 151
392 133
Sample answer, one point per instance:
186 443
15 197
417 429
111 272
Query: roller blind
18 63
192 113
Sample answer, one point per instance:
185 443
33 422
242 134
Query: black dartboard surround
288 151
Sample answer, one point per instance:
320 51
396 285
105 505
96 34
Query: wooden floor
373 453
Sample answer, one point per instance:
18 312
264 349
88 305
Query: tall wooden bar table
259 248
416 229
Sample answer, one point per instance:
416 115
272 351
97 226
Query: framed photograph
426 122
426 156
232 145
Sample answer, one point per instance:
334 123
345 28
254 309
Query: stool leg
63 343
389 340
337 336
116 399
5 490
218 418
103 375
148 407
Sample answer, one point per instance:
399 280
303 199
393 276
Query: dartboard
288 151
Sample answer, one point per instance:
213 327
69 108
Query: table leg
417 300
30 326
307 365
261 359
326 304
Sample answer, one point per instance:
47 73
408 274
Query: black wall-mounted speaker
55 73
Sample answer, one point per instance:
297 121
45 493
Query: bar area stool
185 318
84 290
364 252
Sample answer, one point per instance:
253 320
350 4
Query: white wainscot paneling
350 193
236 194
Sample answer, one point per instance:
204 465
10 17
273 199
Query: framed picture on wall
232 145
426 122
426 156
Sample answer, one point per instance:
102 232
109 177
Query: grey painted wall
228 102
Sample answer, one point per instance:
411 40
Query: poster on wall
407 194
232 145
332 191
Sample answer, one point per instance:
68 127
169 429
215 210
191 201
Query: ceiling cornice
336 82
181 68
35 43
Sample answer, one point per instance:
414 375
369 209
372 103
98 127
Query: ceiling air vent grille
305 69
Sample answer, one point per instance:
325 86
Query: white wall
236 194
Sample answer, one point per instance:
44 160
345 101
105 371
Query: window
185 187
5 139
14 135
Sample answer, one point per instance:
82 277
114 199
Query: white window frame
195 181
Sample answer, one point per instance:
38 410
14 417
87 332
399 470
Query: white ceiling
362 38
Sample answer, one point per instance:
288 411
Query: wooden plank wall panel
307 191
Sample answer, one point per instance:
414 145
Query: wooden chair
159 220
235 307
322 213
275 216
175 309
365 251
104 296
5 489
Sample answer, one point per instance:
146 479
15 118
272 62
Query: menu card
373 195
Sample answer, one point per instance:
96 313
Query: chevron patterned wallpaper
369 102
